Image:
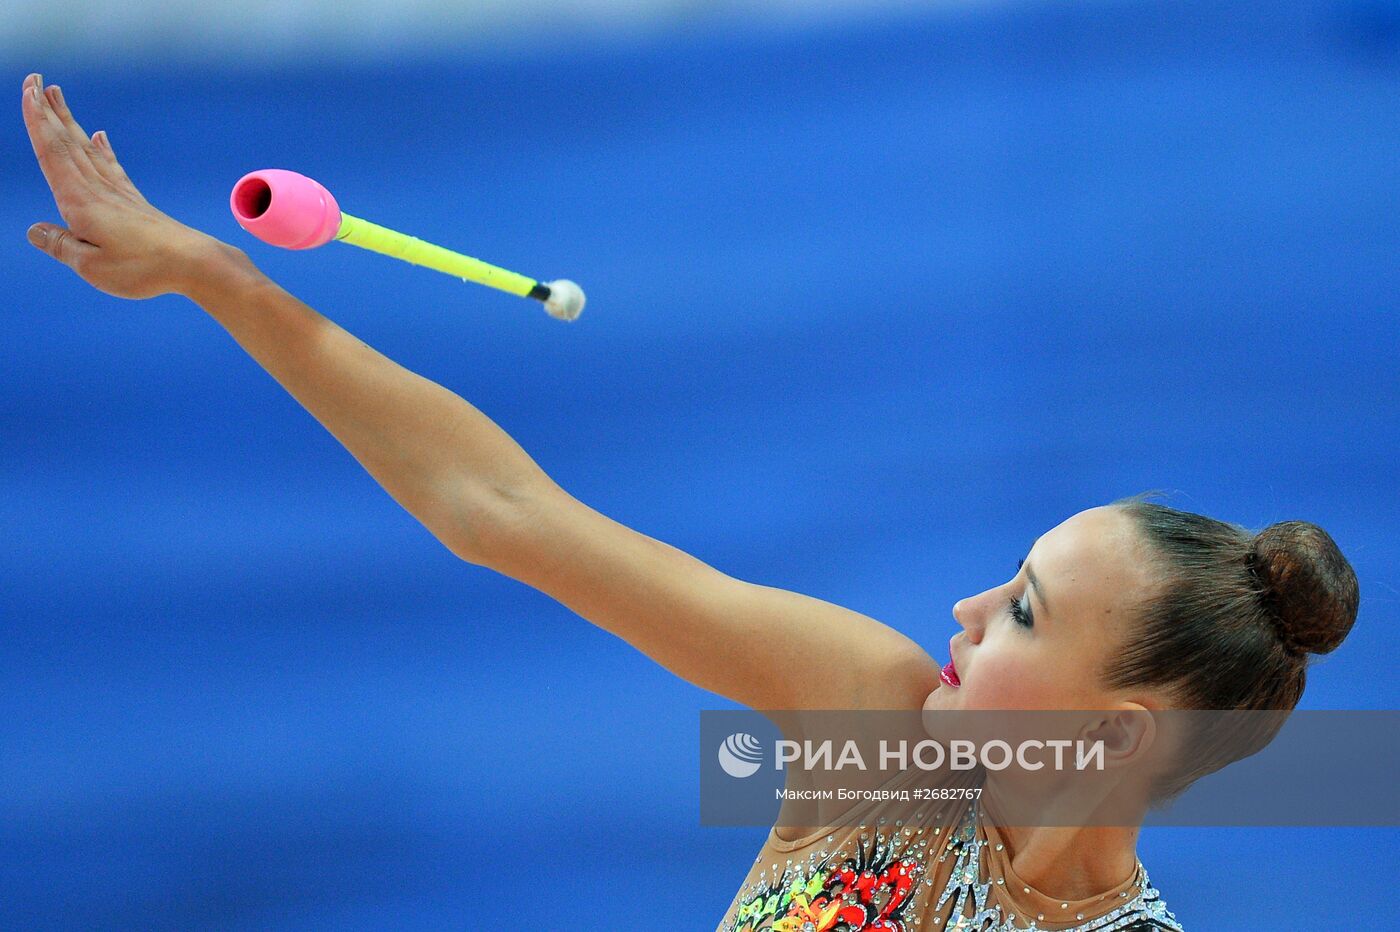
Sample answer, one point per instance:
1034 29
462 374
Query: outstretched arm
463 477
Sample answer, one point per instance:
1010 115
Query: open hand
115 240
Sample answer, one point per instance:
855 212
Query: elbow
915 676
903 682
486 524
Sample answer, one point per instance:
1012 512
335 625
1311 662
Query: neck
1070 862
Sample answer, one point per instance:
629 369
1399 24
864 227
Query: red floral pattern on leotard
865 893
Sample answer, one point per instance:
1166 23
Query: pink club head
285 209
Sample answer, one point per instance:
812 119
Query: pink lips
949 674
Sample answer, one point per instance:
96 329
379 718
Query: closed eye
1018 613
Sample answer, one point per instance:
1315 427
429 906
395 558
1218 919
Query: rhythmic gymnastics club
295 212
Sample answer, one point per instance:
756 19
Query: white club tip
565 299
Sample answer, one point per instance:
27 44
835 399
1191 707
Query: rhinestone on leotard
964 903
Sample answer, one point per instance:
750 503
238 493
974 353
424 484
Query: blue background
870 308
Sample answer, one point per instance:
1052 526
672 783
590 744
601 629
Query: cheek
1015 679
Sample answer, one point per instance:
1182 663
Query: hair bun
1309 586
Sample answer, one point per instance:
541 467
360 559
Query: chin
939 698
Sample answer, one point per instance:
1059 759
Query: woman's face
1049 653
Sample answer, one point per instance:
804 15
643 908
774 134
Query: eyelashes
1018 614
1014 607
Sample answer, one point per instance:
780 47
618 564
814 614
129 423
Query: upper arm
764 647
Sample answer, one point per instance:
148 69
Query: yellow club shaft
389 242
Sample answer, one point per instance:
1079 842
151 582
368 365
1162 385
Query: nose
964 615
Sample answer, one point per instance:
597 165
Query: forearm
439 457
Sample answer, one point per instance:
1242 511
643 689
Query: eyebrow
1035 584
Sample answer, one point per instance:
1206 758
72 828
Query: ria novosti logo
740 755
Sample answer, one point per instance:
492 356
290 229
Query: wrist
212 268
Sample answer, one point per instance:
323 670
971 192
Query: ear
1127 732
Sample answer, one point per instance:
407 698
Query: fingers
85 153
106 161
100 156
62 158
61 244
97 149
60 107
47 138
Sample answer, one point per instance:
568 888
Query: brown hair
1235 618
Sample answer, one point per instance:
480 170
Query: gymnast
1128 608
